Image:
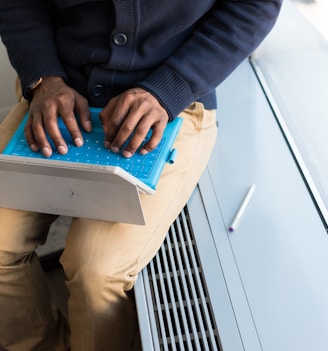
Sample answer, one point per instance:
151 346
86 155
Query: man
144 62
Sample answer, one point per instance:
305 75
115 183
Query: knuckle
127 128
82 99
142 129
151 145
133 144
115 123
49 122
129 97
57 140
63 99
70 121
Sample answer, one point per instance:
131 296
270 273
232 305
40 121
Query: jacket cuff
37 64
170 89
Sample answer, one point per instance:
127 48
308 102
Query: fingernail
107 144
115 149
78 142
127 154
46 151
144 152
62 149
34 147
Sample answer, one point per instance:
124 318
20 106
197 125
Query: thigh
122 249
23 231
20 231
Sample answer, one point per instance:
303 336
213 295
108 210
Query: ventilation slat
185 248
165 302
200 287
183 269
175 306
158 308
179 298
185 316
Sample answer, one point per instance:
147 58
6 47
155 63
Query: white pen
242 209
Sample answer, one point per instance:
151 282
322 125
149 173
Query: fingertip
115 149
86 121
143 151
34 147
78 142
46 151
62 149
88 126
127 154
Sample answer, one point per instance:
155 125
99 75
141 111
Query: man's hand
134 110
51 99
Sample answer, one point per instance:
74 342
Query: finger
51 126
82 109
72 126
104 117
40 136
29 135
154 140
114 116
132 125
137 139
127 128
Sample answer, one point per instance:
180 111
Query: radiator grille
182 309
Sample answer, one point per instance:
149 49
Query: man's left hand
138 111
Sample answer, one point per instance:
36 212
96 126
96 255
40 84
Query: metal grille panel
182 309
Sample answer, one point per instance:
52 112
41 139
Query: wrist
34 84
41 82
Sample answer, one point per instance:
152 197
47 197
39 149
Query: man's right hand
53 98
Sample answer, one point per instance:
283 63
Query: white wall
7 83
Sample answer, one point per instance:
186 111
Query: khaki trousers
101 259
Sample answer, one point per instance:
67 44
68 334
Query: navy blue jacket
179 50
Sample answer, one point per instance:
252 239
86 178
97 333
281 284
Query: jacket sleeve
231 30
26 30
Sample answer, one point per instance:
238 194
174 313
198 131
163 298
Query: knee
97 282
8 259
